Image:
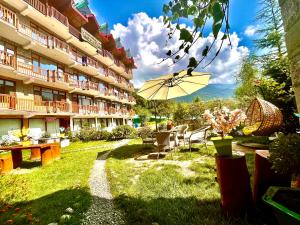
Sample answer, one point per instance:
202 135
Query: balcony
8 102
7 59
41 76
8 16
44 43
84 63
84 109
84 87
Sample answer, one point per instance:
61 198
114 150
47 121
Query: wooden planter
234 182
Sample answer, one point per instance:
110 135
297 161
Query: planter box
285 203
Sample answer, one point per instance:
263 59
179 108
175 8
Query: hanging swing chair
263 118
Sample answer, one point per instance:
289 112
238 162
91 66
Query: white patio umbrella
173 85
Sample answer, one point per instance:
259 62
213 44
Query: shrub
285 154
122 132
145 132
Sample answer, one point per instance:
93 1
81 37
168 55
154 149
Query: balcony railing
74 31
53 12
39 6
8 16
34 34
15 103
7 59
60 45
84 109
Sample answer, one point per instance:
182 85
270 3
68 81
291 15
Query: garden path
102 210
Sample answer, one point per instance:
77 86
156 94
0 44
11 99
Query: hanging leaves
199 13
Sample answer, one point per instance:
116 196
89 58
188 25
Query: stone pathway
102 210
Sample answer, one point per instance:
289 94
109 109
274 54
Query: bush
122 132
145 132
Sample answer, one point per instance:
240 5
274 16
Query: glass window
47 95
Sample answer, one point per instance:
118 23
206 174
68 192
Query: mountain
212 91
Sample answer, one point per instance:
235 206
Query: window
82 100
6 87
48 95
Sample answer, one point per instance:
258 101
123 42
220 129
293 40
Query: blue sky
116 11
138 25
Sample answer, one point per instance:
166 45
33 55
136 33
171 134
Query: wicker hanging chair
263 118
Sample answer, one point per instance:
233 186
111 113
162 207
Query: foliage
145 132
122 132
285 154
143 113
90 134
200 13
9 140
271 28
246 79
224 121
181 113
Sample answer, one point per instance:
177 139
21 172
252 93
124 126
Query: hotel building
58 70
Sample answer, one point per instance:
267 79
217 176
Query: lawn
44 193
180 189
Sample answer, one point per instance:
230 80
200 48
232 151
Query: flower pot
49 141
26 143
34 142
223 145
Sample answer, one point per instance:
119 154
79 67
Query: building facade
58 70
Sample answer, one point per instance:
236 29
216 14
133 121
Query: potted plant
22 134
223 121
285 156
46 138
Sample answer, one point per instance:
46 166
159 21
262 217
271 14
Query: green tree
181 114
143 113
246 79
270 28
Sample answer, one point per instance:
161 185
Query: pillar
291 19
71 124
25 123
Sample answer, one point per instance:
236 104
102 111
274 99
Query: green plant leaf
185 35
192 62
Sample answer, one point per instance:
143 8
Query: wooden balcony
39 6
74 31
84 109
53 12
7 59
21 104
8 16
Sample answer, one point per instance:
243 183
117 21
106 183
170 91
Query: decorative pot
223 145
34 142
50 141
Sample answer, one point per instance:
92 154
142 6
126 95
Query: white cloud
250 30
146 37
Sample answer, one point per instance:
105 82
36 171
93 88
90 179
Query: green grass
178 190
47 191
264 140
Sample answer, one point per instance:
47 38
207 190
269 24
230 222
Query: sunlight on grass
180 189
45 192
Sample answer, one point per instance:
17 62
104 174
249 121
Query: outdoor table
46 152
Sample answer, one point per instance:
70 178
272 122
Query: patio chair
181 132
198 136
163 141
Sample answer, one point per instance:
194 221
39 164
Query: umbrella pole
155 114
